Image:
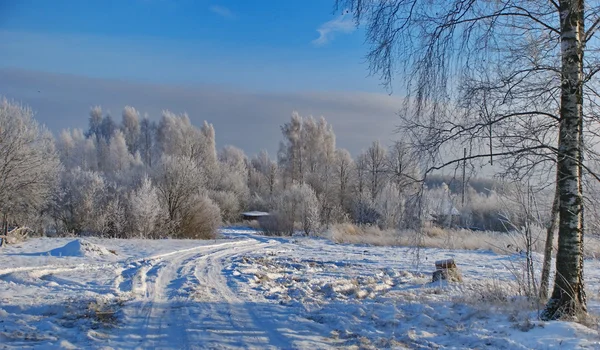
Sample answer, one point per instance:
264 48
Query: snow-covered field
249 291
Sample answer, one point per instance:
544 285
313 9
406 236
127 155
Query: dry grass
436 237
252 224
353 234
493 293
103 313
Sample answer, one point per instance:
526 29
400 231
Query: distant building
447 216
254 215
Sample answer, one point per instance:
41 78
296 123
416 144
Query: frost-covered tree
112 217
234 159
178 180
144 209
178 137
290 156
182 192
130 126
297 206
230 189
309 208
119 159
375 164
526 95
307 155
209 154
147 141
76 150
344 169
263 175
440 204
108 127
307 152
95 123
361 171
77 202
402 166
200 219
29 163
318 143
319 149
389 204
229 203
66 146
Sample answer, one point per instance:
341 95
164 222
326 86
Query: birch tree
231 191
119 158
402 166
290 156
29 163
130 126
178 137
376 168
344 167
108 127
95 123
508 80
263 175
147 141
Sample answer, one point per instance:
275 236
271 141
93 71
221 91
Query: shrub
365 213
276 225
297 205
229 204
200 220
144 210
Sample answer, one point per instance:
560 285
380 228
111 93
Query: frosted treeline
139 177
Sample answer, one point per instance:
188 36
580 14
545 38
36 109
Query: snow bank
375 297
252 291
82 248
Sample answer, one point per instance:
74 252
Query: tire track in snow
176 315
39 271
132 277
238 318
130 273
172 317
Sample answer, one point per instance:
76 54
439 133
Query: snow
249 291
255 213
81 248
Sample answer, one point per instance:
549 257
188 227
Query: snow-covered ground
249 291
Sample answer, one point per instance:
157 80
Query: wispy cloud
222 11
344 24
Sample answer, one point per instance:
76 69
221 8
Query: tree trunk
545 281
5 224
4 239
568 296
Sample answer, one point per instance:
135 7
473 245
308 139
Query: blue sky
279 45
243 65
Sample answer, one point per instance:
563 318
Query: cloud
222 11
249 120
344 24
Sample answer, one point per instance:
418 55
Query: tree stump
446 270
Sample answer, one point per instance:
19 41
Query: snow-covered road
247 291
186 300
178 299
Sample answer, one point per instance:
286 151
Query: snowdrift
81 248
